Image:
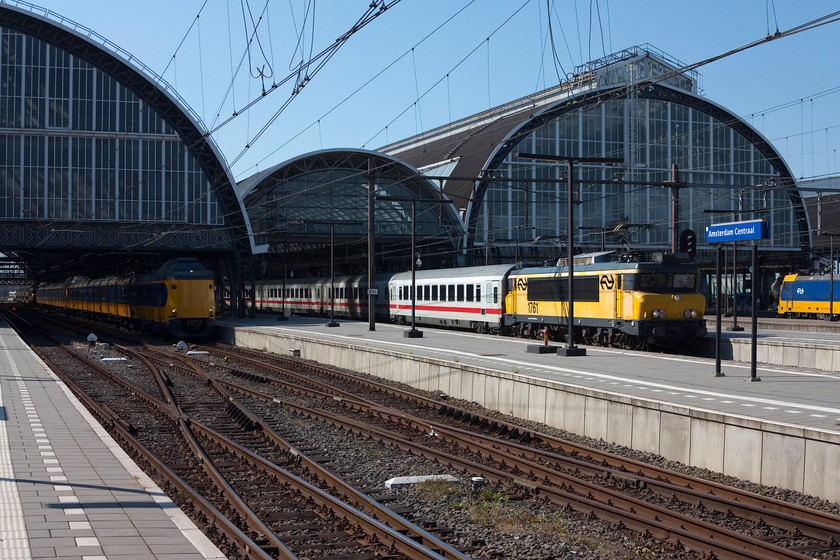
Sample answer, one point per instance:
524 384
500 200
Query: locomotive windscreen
666 282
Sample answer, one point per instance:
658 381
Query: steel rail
359 500
635 514
405 544
826 532
411 543
636 468
107 416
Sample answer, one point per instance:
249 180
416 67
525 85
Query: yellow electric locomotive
624 304
177 298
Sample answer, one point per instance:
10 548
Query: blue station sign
736 231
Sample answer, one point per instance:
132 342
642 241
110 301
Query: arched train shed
104 168
637 106
316 205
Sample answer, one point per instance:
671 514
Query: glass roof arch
729 164
301 200
104 152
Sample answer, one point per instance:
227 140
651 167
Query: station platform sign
736 231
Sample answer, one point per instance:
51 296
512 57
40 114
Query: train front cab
808 297
664 305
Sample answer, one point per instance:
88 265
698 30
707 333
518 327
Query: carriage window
470 292
495 294
434 293
427 290
460 289
443 293
478 292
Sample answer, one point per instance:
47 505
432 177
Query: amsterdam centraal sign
736 231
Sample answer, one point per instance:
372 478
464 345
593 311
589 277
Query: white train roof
476 272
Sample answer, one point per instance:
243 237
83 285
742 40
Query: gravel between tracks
494 522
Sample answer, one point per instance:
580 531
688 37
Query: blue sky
487 52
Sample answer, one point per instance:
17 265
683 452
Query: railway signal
688 243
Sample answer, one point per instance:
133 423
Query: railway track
262 510
260 402
542 464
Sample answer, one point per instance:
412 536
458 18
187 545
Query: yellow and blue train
178 298
623 304
804 296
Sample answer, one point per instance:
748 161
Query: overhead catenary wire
370 80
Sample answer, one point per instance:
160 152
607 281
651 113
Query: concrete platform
782 431
67 490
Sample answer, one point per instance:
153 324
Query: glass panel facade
719 165
307 203
134 168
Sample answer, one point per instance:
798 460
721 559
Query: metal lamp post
570 349
332 322
413 332
831 316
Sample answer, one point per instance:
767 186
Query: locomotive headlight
174 312
676 297
658 313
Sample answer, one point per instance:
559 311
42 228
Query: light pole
831 316
413 332
571 349
332 322
331 223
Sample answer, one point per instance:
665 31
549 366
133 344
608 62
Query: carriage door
619 297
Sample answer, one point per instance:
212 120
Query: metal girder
35 236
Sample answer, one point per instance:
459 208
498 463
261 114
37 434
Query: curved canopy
298 203
659 121
100 157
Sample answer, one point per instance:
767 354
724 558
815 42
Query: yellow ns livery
177 298
623 304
